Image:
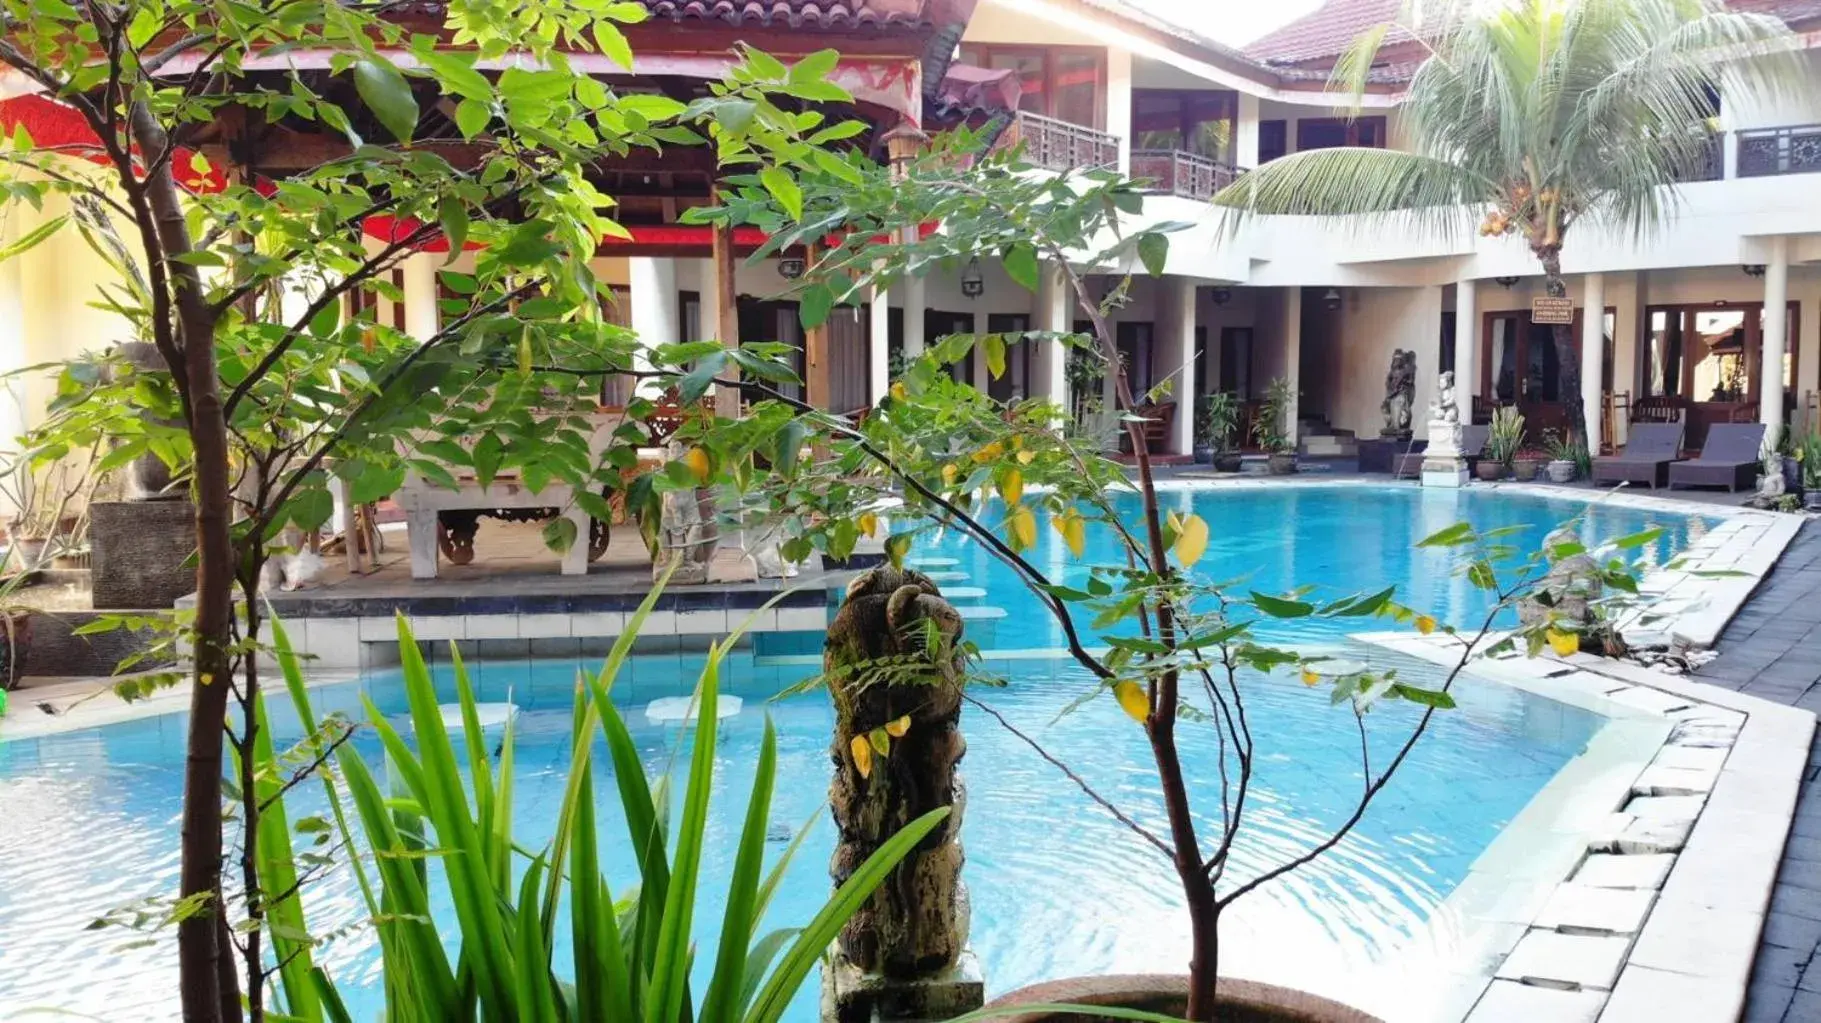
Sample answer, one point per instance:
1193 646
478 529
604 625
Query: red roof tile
794 13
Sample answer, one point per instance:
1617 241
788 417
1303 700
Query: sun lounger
1731 458
1645 458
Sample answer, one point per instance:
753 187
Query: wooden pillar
818 360
721 314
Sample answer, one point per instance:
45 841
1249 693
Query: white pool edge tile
1704 926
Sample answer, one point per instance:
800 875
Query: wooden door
1519 365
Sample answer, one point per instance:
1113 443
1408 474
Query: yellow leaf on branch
1310 678
1563 642
1191 540
697 460
869 523
1425 624
896 729
863 755
1133 699
1011 486
1074 531
1022 525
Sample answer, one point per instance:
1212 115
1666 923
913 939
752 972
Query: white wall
1373 323
1778 110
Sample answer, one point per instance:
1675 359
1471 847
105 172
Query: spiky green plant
633 953
1530 117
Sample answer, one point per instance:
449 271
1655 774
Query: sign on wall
1552 310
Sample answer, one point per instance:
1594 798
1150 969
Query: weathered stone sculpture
147 478
1568 591
1400 395
686 533
1443 465
896 750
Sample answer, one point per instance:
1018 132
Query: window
1064 82
1333 132
1271 141
1194 122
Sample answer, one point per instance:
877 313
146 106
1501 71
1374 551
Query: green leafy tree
1175 651
1533 117
255 289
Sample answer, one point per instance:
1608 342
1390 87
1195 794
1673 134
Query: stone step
929 562
954 593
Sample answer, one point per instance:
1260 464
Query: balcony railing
1189 175
1795 149
1061 146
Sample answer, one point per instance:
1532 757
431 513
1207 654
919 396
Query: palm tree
1533 116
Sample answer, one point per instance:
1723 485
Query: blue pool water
1058 888
1341 538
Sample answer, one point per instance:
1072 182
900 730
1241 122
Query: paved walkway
1772 649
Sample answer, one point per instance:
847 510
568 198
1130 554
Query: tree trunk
205 967
1568 360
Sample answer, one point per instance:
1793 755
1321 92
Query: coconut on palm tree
1530 117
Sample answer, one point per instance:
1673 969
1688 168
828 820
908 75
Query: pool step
940 578
954 593
926 562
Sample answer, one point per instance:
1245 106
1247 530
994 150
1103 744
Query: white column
878 340
1181 291
915 289
1049 360
1293 358
983 377
1593 351
12 350
1245 132
1466 347
652 287
1119 103
1776 327
419 271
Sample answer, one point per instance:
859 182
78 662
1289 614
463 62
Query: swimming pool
1057 887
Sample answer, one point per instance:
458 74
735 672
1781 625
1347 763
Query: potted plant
1217 425
49 503
1809 456
1503 443
1527 463
15 631
1272 430
1563 451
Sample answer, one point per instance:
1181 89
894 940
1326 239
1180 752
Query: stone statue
1400 394
686 533
147 478
1567 591
901 955
1444 410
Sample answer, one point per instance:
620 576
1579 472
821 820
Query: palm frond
1375 185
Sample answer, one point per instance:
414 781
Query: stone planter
1525 469
1239 1001
15 646
1227 461
1560 470
138 553
1489 471
1282 463
1812 500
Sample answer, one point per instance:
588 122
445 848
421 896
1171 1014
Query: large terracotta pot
1525 469
1489 471
1240 1001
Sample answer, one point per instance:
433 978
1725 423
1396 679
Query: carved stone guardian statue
686 532
1400 395
897 746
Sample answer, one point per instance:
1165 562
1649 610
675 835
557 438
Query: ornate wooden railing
1059 145
1792 149
1176 172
